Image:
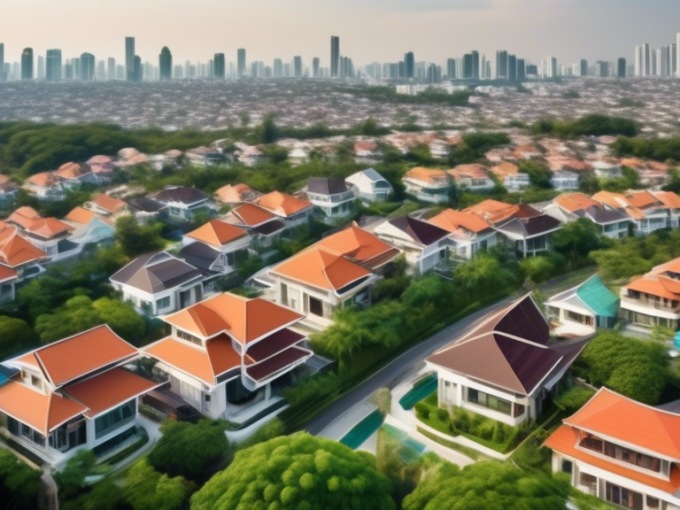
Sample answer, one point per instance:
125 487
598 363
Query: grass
468 452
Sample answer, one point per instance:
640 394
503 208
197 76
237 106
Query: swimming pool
363 430
422 389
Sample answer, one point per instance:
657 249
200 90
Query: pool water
421 390
363 430
410 449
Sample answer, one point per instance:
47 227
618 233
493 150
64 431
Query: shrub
499 433
486 430
462 421
573 399
443 414
422 410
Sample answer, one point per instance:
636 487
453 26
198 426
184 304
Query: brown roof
48 227
233 194
493 211
217 233
108 203
505 168
573 202
451 221
24 216
282 204
155 272
252 215
44 179
72 170
80 215
473 171
427 175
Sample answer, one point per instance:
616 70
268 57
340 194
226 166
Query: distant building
451 69
165 64
410 64
583 67
315 67
3 77
27 64
297 65
501 65
87 67
130 58
241 57
53 66
111 69
335 56
138 74
621 68
220 68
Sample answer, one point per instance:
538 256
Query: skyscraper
165 64
53 66
410 64
130 58
137 73
41 67
335 56
87 67
278 68
583 67
27 64
451 69
475 64
467 66
220 67
502 65
3 77
621 68
677 55
241 58
315 67
512 67
111 69
521 70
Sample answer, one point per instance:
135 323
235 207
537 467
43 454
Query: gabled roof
201 256
505 168
451 220
78 355
573 202
24 216
326 185
619 417
15 250
44 179
252 215
472 171
370 173
180 194
529 226
598 297
48 227
282 204
508 349
146 205
7 274
429 175
422 232
72 170
217 233
155 272
493 211
233 194
243 319
80 215
108 203
356 244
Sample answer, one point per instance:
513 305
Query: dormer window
189 338
37 382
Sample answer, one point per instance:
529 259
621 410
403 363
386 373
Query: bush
486 430
312 389
443 414
146 488
19 484
462 421
499 433
422 410
573 399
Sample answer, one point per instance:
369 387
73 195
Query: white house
428 185
368 185
331 197
510 176
45 186
474 177
468 234
183 203
88 227
563 180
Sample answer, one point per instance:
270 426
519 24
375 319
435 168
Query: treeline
590 125
430 96
660 149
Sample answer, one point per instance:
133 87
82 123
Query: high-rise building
335 56
521 70
241 59
583 67
512 67
41 67
87 67
621 68
53 65
601 69
501 65
76 68
130 58
138 72
410 64
297 66
467 66
674 58
549 67
220 66
677 54
482 68
101 71
475 64
451 69
27 64
315 67
165 64
3 75
646 60
111 69
278 68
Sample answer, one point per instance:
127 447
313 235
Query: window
632 457
652 502
489 401
588 481
623 497
567 466
35 381
163 303
592 443
189 338
114 419
284 294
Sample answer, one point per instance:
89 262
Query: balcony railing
651 303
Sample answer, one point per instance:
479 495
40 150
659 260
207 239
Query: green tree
268 131
577 239
146 488
488 485
189 450
104 495
482 276
136 239
15 335
19 484
540 175
537 269
122 318
71 479
298 472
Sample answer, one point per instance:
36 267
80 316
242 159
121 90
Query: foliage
475 146
488 485
312 388
571 94
137 239
539 175
273 428
382 399
532 454
593 125
71 479
659 149
538 269
577 239
394 285
105 495
572 399
390 455
146 488
19 484
632 367
662 334
430 96
15 335
189 450
297 472
483 275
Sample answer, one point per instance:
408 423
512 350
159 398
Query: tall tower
621 68
111 69
297 65
27 64
315 67
138 70
53 65
220 68
335 56
87 67
475 64
130 58
410 63
165 64
2 62
677 55
241 56
501 64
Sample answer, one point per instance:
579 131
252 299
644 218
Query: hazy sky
370 30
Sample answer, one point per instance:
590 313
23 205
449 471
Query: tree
482 276
488 485
540 175
298 472
537 269
588 183
104 495
577 239
146 488
122 318
267 132
19 484
71 479
15 335
189 450
136 239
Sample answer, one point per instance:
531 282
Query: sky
369 30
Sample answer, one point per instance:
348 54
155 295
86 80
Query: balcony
652 304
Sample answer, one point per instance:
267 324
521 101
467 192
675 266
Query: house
71 395
293 211
369 186
183 203
229 356
214 249
129 157
74 175
559 162
8 191
147 209
581 310
331 198
503 368
427 184
264 227
569 207
205 156
158 283
19 260
473 177
648 210
528 229
653 299
88 227
102 166
249 155
367 152
607 169
236 194
45 186
48 234
337 271
106 206
8 280
509 176
564 180
425 245
167 160
468 234
621 451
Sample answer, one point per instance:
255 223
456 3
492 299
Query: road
421 351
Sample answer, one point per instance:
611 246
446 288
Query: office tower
111 69
241 59
53 65
87 67
27 64
677 54
120 72
583 67
621 68
467 66
297 65
409 64
130 58
278 68
315 67
451 68
549 67
674 59
502 65
68 69
138 72
482 67
335 56
220 66
165 64
101 71
646 60
475 64
512 67
41 67
601 69
521 70
3 75
76 68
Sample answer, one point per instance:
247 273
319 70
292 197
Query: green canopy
598 297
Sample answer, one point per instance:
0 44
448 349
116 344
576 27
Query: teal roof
598 297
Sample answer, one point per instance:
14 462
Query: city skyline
434 30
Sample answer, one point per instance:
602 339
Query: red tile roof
217 233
